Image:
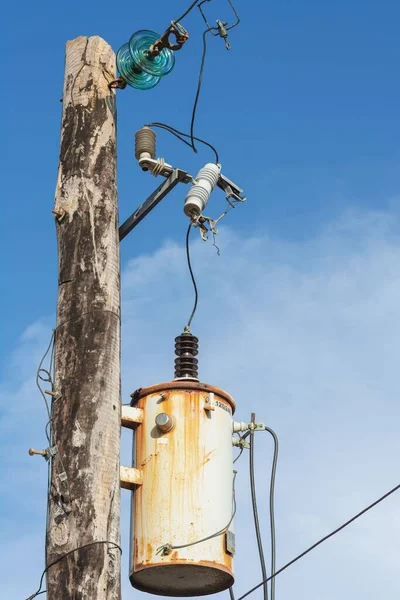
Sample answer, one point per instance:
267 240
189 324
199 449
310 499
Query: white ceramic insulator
198 195
239 426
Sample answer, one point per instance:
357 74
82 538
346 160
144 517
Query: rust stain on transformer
186 494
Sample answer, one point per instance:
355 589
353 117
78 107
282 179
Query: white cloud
306 335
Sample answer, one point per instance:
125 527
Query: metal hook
222 29
223 32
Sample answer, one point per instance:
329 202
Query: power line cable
238 456
40 377
255 515
272 508
187 11
60 558
178 135
196 294
392 491
199 82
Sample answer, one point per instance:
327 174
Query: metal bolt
165 422
38 452
59 214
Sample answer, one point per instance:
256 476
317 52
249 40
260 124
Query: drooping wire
239 455
196 294
199 82
255 515
272 508
271 500
326 537
187 11
178 135
47 376
60 558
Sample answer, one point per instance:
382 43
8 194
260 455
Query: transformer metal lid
188 385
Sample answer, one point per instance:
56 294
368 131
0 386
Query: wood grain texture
87 414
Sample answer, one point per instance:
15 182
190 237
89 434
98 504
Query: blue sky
298 317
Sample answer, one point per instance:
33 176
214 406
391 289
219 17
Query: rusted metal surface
182 385
117 84
183 578
186 494
176 30
131 417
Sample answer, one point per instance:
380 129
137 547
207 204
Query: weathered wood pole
86 409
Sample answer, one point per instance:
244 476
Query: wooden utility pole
85 491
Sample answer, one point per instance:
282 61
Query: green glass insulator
132 73
158 65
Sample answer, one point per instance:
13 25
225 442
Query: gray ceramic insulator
145 142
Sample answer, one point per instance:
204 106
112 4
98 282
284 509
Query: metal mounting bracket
231 189
130 478
155 198
131 417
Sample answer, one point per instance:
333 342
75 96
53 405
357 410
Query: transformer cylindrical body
187 492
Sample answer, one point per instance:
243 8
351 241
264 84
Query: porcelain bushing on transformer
184 449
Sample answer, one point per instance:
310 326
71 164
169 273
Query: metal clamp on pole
175 29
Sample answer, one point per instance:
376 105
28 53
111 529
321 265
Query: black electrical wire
196 294
326 537
231 594
45 375
60 558
271 501
238 456
272 508
199 82
187 11
255 514
178 135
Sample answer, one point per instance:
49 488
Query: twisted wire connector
164 550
